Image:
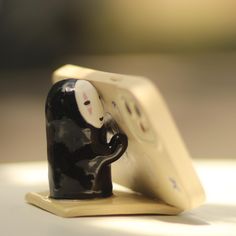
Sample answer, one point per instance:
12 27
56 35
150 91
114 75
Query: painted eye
99 96
86 103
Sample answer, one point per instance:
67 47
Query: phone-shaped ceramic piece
156 162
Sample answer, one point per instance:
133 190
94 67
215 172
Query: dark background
186 47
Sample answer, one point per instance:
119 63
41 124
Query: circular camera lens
142 127
137 110
128 108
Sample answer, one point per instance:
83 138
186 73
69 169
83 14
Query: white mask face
89 103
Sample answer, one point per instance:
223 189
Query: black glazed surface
79 155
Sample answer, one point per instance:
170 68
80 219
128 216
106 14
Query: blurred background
186 47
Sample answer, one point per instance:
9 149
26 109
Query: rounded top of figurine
77 100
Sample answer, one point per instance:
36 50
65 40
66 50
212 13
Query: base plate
121 203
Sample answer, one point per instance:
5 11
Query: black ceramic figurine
79 155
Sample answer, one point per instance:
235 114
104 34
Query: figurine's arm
117 147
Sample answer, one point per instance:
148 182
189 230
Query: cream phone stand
83 141
121 203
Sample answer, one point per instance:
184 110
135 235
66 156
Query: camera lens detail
128 108
137 110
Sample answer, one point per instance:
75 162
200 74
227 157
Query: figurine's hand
117 141
117 147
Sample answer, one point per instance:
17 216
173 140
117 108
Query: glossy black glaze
79 155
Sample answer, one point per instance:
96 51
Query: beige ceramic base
121 203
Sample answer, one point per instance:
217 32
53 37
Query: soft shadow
217 213
205 215
184 218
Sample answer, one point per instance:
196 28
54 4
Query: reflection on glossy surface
79 155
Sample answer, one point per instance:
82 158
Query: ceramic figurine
79 155
83 141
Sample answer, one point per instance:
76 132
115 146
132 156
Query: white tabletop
216 217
